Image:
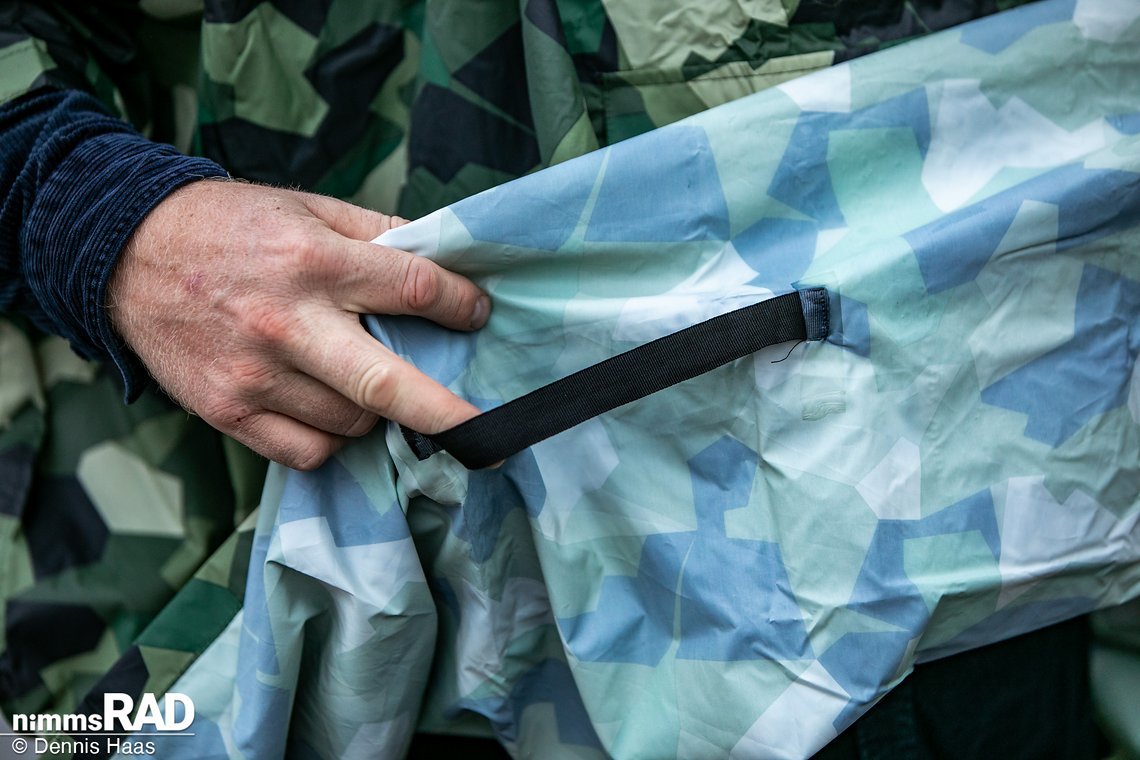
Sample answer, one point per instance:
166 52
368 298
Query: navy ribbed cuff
104 189
86 204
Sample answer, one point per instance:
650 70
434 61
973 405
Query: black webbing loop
508 429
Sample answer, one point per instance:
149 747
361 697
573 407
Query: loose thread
790 350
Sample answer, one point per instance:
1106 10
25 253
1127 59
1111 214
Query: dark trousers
1023 699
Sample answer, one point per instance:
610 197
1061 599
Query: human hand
243 301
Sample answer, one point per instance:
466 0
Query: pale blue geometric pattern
785 535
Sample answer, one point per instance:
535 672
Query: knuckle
309 255
376 387
228 414
251 378
297 248
266 324
279 244
422 287
311 455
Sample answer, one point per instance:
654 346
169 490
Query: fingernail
482 311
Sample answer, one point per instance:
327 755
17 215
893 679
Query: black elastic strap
497 434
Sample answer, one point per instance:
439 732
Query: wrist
84 213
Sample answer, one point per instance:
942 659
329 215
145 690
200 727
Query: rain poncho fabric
739 565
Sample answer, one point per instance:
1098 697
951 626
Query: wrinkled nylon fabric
174 616
740 565
506 430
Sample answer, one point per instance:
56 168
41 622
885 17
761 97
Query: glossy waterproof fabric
740 565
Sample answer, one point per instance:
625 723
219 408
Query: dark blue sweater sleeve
75 182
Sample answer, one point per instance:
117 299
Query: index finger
382 280
348 219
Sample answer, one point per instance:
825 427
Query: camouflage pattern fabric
409 106
740 565
462 97
110 516
120 549
456 98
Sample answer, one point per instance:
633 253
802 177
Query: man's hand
243 303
